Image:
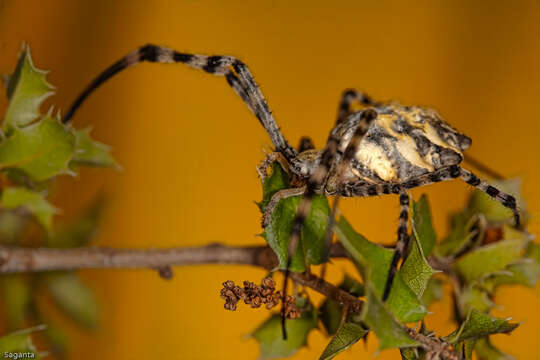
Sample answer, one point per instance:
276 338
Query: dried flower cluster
256 295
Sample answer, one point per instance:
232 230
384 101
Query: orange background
189 146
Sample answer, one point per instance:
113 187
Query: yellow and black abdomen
406 142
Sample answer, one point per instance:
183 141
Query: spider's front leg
235 71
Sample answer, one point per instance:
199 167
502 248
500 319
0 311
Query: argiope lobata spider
384 148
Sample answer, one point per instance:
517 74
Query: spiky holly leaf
270 336
90 152
379 318
26 90
473 296
41 150
490 258
479 325
373 262
34 202
346 336
416 271
73 297
277 233
485 350
20 342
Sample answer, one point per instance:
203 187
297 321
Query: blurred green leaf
412 354
277 233
489 258
42 149
352 286
20 342
26 90
73 297
433 292
387 328
12 226
461 234
347 334
479 324
34 202
373 261
270 337
473 296
80 231
90 152
422 225
486 351
17 296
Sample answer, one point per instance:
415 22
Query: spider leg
366 118
505 199
482 167
280 195
402 242
349 97
235 71
305 144
314 182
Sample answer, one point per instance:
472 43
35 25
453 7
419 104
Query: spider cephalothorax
382 148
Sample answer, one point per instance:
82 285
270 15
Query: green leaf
73 297
42 149
17 295
20 342
433 292
387 328
330 311
26 90
35 203
479 324
90 152
466 348
270 337
489 258
373 262
486 351
277 180
416 271
422 225
330 315
277 233
347 334
412 354
81 230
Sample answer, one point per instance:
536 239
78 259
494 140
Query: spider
383 148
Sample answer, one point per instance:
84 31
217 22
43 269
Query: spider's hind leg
349 97
402 242
505 199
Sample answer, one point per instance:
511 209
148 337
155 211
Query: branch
27 260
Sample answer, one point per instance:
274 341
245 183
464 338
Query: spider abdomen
405 142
